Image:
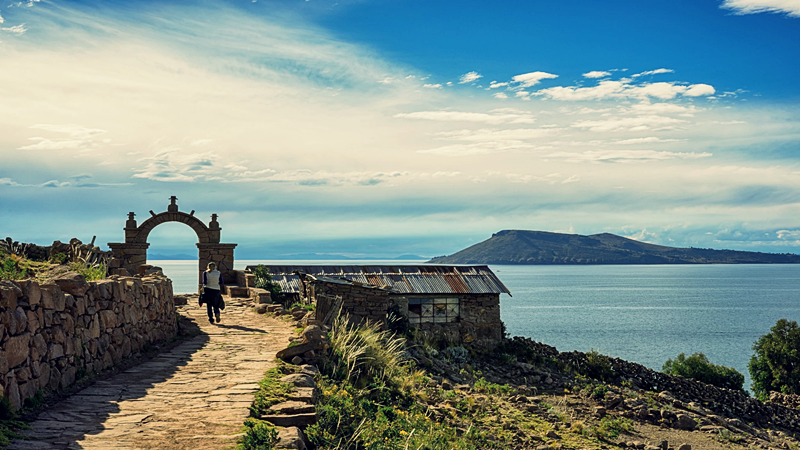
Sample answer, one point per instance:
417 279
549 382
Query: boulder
72 283
685 422
299 380
297 350
313 333
290 438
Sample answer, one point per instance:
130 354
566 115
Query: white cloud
432 86
19 30
596 74
55 184
789 7
624 156
1 19
469 77
458 116
495 85
172 165
653 72
531 79
79 138
646 140
571 179
9 182
623 89
518 134
662 108
697 90
629 123
788 234
500 95
478 148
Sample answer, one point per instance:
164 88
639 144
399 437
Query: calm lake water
645 314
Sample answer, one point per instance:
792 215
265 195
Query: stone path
195 396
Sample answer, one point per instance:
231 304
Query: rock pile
305 348
715 400
55 332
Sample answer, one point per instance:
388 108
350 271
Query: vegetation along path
194 396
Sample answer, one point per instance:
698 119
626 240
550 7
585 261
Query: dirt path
195 396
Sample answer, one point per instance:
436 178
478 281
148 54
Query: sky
380 128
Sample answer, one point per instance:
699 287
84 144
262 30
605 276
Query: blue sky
382 128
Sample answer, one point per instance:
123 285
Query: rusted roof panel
418 279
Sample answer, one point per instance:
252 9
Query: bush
698 367
258 435
775 366
12 268
263 280
91 273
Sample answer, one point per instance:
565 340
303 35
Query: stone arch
205 235
133 252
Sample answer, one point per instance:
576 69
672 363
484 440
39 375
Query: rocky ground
572 404
194 396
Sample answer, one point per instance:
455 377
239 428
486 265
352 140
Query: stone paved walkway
195 396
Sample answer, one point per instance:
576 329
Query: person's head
211 266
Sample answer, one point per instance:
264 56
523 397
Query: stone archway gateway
133 252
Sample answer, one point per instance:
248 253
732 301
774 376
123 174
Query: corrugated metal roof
420 279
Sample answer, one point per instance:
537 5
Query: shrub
58 258
775 366
13 268
263 280
258 435
699 368
598 366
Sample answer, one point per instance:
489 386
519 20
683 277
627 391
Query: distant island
542 247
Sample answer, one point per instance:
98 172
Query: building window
432 310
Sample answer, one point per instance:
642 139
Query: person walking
212 294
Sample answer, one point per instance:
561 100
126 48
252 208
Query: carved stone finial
213 224
131 223
173 207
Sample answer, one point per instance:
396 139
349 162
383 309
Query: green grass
91 273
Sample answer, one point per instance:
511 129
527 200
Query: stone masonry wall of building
361 303
51 334
478 325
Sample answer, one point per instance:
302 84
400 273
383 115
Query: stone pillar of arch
133 252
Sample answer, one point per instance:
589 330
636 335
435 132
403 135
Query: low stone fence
52 334
726 402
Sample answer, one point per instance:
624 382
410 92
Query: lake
645 314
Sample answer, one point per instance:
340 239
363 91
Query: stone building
458 303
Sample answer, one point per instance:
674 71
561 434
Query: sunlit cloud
460 116
531 79
469 77
789 7
596 74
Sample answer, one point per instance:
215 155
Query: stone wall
361 303
478 324
53 333
725 402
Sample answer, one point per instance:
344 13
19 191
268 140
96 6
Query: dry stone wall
53 333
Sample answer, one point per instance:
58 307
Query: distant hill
541 247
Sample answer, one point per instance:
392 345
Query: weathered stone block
17 349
